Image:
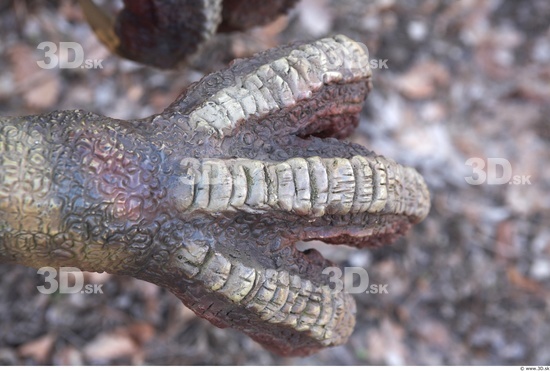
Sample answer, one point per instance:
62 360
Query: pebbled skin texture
209 197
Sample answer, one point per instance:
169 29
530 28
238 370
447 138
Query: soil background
456 80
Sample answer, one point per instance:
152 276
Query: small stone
417 30
540 269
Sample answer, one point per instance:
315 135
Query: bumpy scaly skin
209 197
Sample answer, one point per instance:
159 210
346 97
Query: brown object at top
240 15
165 33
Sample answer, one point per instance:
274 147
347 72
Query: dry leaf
109 346
423 80
39 349
68 356
141 332
39 87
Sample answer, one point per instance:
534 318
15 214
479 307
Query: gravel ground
456 80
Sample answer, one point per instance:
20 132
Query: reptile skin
209 197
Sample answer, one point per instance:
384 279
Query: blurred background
461 80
